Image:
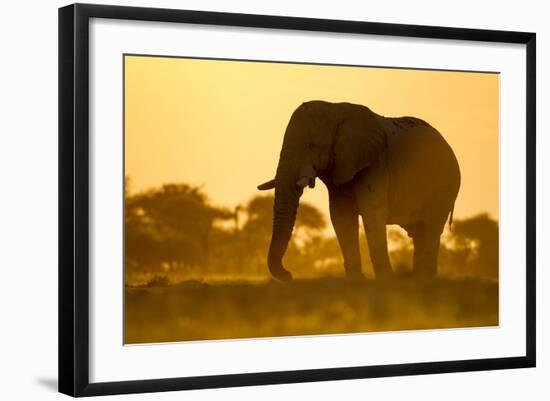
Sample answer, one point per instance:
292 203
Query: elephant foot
281 274
425 277
385 276
356 275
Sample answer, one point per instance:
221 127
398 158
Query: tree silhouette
401 250
174 230
169 227
479 236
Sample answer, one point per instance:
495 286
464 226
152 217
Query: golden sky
220 124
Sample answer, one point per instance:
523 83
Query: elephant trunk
284 216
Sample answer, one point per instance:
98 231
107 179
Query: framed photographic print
250 199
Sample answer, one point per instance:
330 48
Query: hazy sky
220 124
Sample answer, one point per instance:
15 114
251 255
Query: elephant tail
451 218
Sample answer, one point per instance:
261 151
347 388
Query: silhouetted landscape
197 271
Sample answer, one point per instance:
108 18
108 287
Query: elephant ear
359 141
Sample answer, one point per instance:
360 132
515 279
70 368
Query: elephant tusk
267 185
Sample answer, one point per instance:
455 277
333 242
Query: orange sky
220 124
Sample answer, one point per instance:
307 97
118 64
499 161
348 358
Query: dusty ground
196 310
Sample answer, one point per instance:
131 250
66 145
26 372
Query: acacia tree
169 226
479 237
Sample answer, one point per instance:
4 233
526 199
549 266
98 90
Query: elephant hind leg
426 239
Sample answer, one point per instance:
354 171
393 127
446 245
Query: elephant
388 170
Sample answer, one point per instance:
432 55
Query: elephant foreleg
344 217
426 241
375 229
371 191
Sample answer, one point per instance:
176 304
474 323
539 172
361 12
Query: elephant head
332 141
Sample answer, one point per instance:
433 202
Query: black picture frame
74 198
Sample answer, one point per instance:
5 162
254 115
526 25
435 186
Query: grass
197 310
